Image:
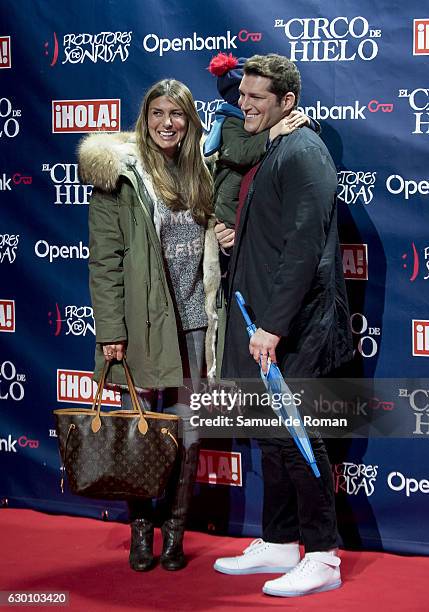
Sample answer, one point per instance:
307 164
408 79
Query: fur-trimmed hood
104 157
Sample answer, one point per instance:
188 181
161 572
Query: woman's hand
225 235
114 351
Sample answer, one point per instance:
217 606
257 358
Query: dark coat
287 264
239 151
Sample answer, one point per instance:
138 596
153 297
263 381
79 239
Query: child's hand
293 121
225 236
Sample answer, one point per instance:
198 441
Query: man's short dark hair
283 73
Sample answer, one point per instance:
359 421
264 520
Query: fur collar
104 157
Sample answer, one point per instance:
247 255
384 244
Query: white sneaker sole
322 589
262 569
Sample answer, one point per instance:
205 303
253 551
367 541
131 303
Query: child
237 150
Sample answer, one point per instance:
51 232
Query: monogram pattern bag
117 454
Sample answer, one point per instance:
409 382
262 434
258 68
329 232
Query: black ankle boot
172 557
173 529
141 555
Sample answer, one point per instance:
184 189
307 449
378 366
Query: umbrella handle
250 327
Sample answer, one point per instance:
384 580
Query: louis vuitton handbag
117 454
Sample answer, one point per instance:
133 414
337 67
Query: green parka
129 291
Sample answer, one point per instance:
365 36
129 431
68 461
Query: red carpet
89 559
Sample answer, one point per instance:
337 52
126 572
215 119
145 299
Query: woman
153 279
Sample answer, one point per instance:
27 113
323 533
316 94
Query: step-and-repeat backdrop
69 69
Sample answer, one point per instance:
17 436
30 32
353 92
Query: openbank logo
402 484
354 478
352 407
407 188
318 39
52 252
82 116
220 468
11 383
5 52
355 261
8 445
152 43
74 320
7 316
420 333
421 37
416 262
8 247
68 188
77 387
355 187
353 112
101 47
418 99
7 183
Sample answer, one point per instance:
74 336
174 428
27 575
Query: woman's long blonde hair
188 184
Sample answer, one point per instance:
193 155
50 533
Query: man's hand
225 235
262 346
114 351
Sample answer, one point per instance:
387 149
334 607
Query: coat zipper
156 246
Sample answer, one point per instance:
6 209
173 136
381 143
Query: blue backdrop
67 70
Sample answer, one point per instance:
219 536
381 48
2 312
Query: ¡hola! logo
355 261
220 468
5 52
322 40
103 47
353 478
421 37
77 387
153 43
420 332
7 316
81 116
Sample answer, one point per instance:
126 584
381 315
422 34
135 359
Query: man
287 264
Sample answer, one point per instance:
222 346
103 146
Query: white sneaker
317 572
261 558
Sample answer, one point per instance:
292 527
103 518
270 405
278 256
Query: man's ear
288 102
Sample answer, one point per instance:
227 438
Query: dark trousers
297 505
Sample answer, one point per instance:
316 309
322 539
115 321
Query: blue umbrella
275 384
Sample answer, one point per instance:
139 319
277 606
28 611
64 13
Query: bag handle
96 404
